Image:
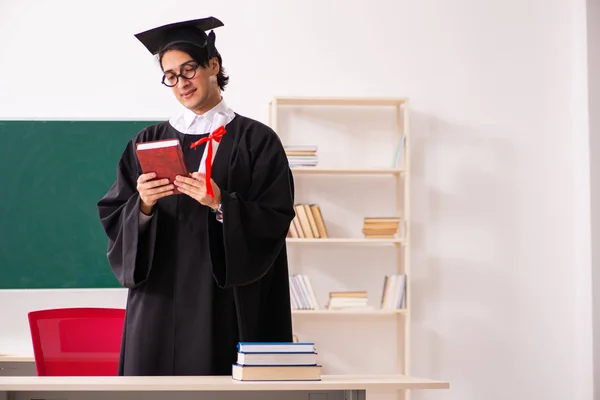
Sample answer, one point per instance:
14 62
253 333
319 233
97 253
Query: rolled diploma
219 120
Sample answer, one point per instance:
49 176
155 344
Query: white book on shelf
398 156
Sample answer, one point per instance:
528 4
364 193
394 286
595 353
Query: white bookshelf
399 176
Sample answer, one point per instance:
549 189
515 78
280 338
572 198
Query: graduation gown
198 286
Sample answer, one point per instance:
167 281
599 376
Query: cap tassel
210 45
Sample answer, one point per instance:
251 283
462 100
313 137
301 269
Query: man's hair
200 55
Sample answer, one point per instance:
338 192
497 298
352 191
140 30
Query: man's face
195 93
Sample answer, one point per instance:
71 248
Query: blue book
276 347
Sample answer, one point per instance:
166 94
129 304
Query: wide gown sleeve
254 226
130 252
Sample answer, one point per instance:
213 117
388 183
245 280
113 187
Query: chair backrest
77 341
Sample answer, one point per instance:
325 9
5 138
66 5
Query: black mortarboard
192 31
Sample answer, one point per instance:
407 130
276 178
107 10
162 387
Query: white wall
501 268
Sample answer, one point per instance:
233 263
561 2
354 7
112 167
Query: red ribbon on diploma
216 136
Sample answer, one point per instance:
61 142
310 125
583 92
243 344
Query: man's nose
182 82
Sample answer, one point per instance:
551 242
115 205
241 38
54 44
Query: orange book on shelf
311 221
164 157
303 219
298 227
318 216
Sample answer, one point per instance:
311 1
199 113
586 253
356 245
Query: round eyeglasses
188 71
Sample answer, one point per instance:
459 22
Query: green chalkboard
53 174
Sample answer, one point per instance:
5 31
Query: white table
16 358
331 387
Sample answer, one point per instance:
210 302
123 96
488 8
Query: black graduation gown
198 286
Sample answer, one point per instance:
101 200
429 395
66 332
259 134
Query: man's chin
190 104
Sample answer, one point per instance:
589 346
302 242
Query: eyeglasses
188 71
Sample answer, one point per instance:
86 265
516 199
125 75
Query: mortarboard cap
192 31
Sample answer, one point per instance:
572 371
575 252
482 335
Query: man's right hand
152 190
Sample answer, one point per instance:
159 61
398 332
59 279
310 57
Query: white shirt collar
188 122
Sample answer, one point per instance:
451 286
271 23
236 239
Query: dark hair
200 55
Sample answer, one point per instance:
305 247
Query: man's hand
195 187
151 190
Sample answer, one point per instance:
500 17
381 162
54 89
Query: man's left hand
195 187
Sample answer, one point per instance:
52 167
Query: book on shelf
348 300
301 155
381 227
302 294
308 223
164 157
398 160
394 292
277 361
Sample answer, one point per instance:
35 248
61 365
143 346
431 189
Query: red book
163 157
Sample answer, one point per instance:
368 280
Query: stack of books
394 292
381 228
302 294
308 223
301 156
348 300
278 361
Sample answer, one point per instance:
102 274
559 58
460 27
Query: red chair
77 341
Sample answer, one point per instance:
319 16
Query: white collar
190 123
189 116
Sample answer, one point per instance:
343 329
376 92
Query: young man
204 272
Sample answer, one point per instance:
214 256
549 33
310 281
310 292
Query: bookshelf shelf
342 171
372 312
338 101
365 241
